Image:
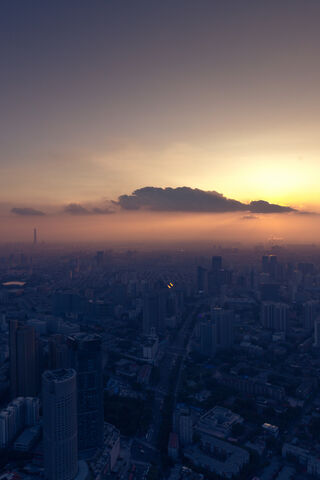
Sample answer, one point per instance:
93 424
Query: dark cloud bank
26 211
185 199
77 209
181 199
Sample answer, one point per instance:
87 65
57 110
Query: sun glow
284 181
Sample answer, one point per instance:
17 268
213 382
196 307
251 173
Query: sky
100 99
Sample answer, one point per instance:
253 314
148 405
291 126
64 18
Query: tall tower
59 396
23 360
34 236
86 359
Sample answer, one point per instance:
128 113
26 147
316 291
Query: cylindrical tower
59 397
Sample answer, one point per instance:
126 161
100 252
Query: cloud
180 199
78 209
26 211
261 206
75 209
183 199
186 199
250 217
101 211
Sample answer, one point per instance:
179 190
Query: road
173 355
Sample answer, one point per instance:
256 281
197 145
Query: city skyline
159 240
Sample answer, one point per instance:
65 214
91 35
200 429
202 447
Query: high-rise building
13 327
86 359
18 404
310 310
274 316
273 265
317 333
4 435
68 302
207 345
183 424
34 236
6 427
270 291
59 397
216 263
270 265
99 258
214 276
202 279
20 413
32 407
58 352
23 360
223 328
217 332
154 311
12 420
186 428
265 263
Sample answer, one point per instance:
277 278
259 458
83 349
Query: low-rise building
271 429
218 422
217 456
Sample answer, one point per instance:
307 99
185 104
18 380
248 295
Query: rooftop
59 375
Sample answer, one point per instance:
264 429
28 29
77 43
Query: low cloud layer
250 217
26 211
181 199
77 209
185 199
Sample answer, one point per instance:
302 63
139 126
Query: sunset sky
100 98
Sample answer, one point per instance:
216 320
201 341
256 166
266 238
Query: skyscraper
202 279
270 265
216 263
317 333
310 310
154 311
223 328
214 276
34 236
59 396
86 359
274 316
183 424
265 264
217 331
23 360
206 337
58 352
99 258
